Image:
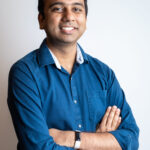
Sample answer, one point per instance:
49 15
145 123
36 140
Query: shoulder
99 66
24 65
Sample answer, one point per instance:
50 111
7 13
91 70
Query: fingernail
114 106
118 109
109 107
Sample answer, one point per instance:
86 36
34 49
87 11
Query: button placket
75 100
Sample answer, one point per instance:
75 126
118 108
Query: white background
118 33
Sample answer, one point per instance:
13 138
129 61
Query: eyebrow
61 3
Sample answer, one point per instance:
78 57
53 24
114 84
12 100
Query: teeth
67 28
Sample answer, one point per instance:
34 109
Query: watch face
77 145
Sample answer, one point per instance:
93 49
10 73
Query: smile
68 28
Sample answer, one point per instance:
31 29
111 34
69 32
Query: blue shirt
42 96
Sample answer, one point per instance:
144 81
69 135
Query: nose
68 16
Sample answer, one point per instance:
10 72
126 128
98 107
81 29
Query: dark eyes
57 9
61 9
77 9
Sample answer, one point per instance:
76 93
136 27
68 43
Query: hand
63 138
110 121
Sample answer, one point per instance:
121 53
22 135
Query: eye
57 9
76 9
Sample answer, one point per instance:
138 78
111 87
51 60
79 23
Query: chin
68 41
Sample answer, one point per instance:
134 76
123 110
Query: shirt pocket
96 105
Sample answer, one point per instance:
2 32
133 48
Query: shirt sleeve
26 111
128 132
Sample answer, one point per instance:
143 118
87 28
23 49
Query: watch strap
77 140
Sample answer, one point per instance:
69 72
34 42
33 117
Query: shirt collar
55 60
46 57
79 58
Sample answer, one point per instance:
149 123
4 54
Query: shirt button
80 126
75 101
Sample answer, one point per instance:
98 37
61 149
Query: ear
41 21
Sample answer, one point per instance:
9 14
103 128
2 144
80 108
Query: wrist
70 139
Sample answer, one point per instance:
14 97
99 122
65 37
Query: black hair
41 7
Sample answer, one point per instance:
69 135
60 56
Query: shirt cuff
126 139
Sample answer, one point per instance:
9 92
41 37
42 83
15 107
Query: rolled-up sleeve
26 111
128 132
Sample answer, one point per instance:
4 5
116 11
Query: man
62 98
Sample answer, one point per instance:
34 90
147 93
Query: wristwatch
77 140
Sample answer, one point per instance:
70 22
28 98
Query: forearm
98 141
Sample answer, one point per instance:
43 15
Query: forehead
65 2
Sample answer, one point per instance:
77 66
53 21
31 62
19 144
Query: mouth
68 29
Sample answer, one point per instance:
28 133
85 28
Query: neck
65 53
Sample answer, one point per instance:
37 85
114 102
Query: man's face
64 20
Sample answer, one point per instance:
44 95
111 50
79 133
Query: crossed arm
31 127
101 139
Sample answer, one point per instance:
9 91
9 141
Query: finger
115 119
110 118
119 122
102 126
49 131
104 120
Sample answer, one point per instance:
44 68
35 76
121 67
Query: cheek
83 25
82 21
53 21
